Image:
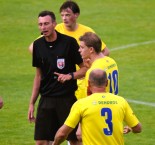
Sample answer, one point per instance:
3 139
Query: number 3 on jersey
108 115
113 81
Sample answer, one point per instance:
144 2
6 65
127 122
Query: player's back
110 66
102 119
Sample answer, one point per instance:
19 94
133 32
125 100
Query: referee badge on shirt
60 63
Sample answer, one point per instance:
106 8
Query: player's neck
72 27
96 56
98 90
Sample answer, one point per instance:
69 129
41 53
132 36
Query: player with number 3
101 115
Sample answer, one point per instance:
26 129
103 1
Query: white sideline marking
129 46
132 45
140 102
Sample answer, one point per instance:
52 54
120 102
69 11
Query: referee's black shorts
51 115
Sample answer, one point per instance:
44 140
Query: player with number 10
90 49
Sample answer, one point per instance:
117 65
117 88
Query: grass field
119 23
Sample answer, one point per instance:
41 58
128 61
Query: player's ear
91 49
76 15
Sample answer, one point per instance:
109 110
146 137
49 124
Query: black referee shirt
59 56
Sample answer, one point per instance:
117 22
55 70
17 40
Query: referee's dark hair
47 13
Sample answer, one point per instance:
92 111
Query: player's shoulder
85 28
82 101
109 59
60 25
115 97
79 103
100 61
64 36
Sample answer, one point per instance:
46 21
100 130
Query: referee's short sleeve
75 52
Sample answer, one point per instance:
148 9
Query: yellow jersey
109 65
81 29
101 116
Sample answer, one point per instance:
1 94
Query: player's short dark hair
47 13
70 4
92 40
98 78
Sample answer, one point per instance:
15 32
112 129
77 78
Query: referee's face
46 25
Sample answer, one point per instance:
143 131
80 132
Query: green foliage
118 23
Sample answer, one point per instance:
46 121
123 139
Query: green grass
118 23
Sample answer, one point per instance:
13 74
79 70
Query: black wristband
72 75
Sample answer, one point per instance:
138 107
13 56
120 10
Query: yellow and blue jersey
101 116
110 66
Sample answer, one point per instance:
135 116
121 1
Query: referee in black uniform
54 56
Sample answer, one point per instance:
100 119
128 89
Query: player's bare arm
81 72
137 128
62 134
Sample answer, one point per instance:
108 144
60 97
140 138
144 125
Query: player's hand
31 117
126 129
87 62
63 77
